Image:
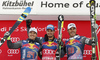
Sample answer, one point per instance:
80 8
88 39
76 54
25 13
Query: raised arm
28 24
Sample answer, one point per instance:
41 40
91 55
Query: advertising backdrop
48 7
83 29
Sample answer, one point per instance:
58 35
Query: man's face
50 33
72 31
32 35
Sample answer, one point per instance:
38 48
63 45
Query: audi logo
15 39
0 51
87 52
12 51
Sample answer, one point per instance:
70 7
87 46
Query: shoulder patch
41 38
37 43
24 41
67 39
83 38
87 40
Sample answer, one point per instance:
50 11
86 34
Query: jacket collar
46 38
31 41
74 37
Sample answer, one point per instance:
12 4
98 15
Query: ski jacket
49 48
29 48
74 47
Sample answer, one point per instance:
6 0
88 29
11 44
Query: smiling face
50 33
32 35
72 31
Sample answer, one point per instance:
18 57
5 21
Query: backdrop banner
48 7
83 29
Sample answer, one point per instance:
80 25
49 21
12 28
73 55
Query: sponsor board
12 51
48 7
0 51
83 29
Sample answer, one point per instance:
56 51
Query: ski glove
61 43
7 34
28 22
9 38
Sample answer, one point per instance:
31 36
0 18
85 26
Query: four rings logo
15 39
87 52
12 51
0 51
